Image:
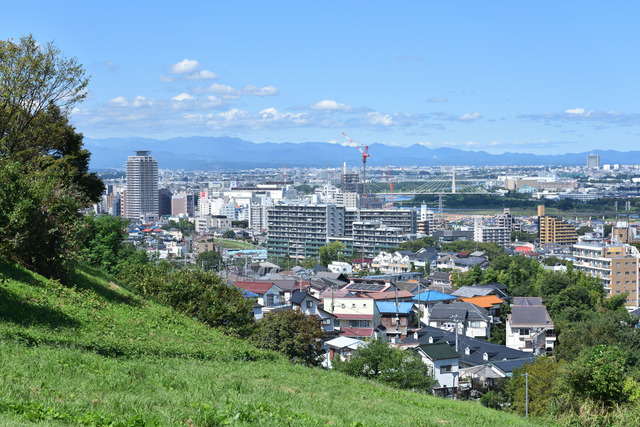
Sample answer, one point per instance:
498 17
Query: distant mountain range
201 153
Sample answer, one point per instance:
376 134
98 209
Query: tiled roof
432 296
385 307
476 347
389 295
356 332
533 315
439 351
484 301
354 316
256 287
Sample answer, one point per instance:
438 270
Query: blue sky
538 77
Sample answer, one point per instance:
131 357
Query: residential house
443 361
428 299
529 326
342 347
397 318
468 319
310 305
269 295
355 316
472 351
491 303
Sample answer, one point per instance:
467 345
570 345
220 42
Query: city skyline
503 77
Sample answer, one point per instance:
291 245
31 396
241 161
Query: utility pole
526 394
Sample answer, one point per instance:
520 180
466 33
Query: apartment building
616 266
300 229
551 229
142 186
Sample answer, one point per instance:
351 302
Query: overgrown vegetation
388 365
97 354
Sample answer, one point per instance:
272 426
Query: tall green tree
102 245
292 333
40 148
378 361
331 252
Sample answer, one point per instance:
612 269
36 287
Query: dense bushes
292 333
380 362
197 293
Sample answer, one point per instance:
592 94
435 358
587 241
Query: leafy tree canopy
292 333
42 159
331 252
381 362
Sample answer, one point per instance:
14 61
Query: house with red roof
269 294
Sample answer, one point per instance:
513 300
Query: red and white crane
364 149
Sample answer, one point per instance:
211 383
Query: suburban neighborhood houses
454 290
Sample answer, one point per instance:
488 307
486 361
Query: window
475 324
524 331
364 323
336 323
446 368
309 304
326 322
270 299
342 305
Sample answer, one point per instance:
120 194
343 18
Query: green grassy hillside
96 354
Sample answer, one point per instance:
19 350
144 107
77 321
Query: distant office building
351 183
554 230
426 223
593 161
164 201
142 186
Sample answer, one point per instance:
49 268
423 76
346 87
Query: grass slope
96 354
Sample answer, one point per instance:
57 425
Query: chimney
485 357
415 335
467 351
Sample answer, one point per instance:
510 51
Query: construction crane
365 154
390 186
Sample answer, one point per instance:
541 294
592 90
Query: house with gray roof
529 326
468 319
472 351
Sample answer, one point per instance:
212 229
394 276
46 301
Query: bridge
433 186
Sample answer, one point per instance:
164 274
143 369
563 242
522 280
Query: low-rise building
529 326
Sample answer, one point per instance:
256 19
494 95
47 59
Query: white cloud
329 105
427 144
185 66
203 75
377 118
575 111
233 114
141 101
165 79
120 101
437 99
469 117
260 91
182 97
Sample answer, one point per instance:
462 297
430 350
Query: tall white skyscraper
142 186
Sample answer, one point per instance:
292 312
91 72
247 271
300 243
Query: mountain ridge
233 153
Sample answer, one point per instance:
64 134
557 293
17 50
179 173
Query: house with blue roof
399 318
426 300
